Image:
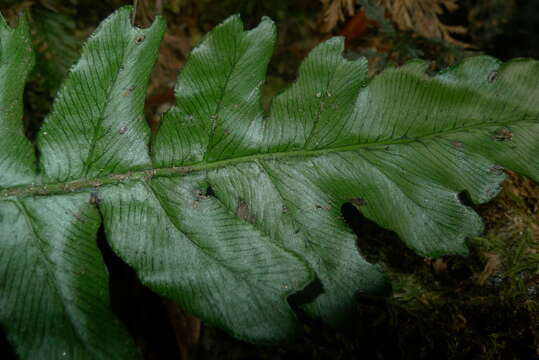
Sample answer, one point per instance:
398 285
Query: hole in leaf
307 295
465 198
142 311
375 243
492 76
139 39
204 194
209 191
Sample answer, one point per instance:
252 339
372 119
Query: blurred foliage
56 44
484 306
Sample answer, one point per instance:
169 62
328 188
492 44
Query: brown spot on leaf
358 201
327 207
503 134
457 144
201 196
94 199
128 91
244 212
497 169
492 76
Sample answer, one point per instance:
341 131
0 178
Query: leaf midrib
92 184
90 161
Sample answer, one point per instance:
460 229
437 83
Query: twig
135 5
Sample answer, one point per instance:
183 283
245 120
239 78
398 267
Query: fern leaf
17 159
54 299
228 211
97 124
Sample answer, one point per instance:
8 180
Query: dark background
484 306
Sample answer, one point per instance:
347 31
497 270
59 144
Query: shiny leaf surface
229 211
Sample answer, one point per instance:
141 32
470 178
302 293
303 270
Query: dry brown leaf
439 265
335 11
186 328
422 17
492 265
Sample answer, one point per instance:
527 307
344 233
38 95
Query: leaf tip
21 24
416 66
336 43
232 20
267 23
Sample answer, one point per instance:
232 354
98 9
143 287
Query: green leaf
97 124
233 210
54 299
218 264
218 114
17 159
192 248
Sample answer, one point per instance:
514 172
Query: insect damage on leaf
503 134
234 210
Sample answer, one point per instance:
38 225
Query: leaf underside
227 210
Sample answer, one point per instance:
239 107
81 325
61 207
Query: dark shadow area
140 310
518 38
209 191
6 350
465 199
381 246
376 244
307 295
